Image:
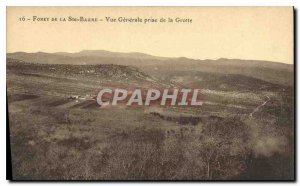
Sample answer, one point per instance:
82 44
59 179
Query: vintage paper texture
240 58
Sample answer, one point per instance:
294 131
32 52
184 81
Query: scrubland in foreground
238 134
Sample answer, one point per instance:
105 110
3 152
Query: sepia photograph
151 93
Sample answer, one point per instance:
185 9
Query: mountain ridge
135 55
273 72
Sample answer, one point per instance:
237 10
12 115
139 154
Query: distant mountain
108 54
274 72
85 56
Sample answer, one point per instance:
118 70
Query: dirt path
258 107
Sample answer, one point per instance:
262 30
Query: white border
4 3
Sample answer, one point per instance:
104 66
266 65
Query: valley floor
233 136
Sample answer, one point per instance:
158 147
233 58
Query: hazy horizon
146 54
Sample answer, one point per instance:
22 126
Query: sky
257 33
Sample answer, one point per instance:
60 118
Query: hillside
218 81
98 72
273 72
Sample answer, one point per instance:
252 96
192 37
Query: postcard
151 93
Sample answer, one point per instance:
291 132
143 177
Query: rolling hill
273 72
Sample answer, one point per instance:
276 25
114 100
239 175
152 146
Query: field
243 131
